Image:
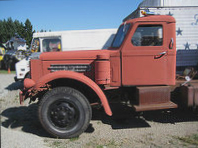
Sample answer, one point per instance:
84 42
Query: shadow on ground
124 117
26 118
172 116
15 86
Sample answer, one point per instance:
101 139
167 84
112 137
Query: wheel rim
63 114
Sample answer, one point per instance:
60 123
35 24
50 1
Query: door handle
160 55
171 44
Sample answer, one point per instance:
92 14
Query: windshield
51 44
120 36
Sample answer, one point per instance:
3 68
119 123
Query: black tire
64 112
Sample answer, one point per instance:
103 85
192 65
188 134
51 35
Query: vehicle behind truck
137 71
2 53
64 41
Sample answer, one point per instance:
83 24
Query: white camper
65 41
185 13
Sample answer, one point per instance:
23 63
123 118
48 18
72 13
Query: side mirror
171 44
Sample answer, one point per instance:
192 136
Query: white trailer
185 13
65 41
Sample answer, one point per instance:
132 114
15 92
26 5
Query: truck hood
75 55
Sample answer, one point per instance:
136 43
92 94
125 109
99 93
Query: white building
186 14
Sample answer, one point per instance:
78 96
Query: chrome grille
72 67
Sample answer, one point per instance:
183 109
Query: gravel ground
20 127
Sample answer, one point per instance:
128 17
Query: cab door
147 58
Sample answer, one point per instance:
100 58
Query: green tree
8 29
19 28
2 30
28 32
43 30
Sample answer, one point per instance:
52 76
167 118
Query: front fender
79 77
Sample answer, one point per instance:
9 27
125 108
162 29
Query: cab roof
153 18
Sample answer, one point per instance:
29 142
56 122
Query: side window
35 47
148 35
51 44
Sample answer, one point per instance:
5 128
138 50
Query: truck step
166 105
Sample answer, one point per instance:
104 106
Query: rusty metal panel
36 69
153 95
189 95
102 72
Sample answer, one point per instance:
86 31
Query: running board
158 106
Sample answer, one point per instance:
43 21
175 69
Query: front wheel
64 112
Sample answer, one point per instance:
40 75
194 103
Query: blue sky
56 15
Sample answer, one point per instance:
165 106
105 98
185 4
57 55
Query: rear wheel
64 112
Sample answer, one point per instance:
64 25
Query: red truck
140 67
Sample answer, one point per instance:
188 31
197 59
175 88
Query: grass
74 139
56 144
192 139
6 72
98 144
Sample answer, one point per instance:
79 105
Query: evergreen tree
19 27
1 32
9 28
28 32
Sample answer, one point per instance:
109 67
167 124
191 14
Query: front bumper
26 92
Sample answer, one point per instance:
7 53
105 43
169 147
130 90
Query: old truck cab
142 58
147 52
